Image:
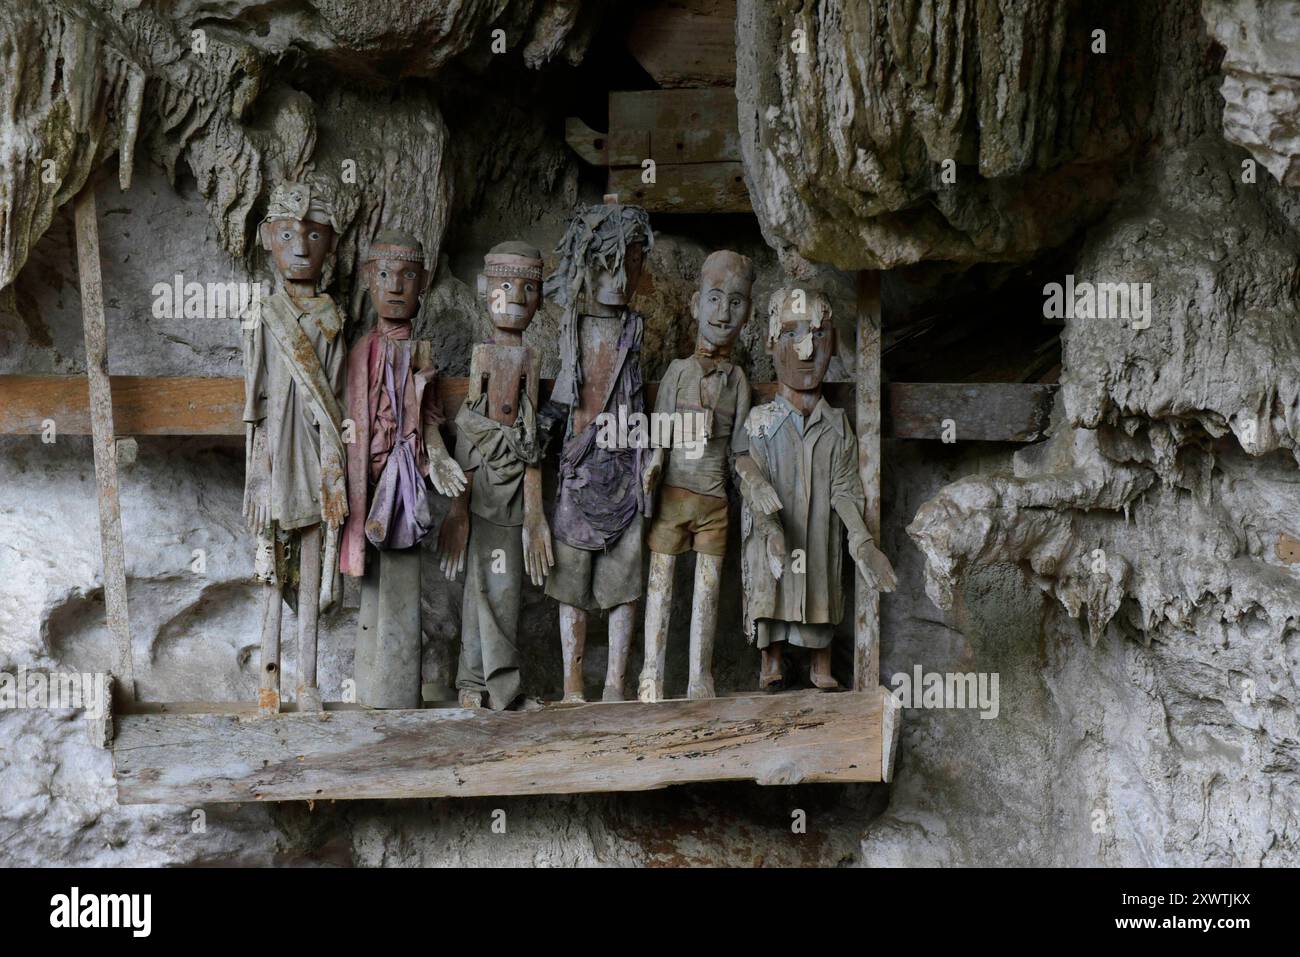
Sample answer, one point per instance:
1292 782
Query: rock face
93 79
1160 508
1261 80
878 133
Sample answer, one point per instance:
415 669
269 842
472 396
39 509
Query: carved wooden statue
708 397
395 448
598 514
500 513
295 500
800 486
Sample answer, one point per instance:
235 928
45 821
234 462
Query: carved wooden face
722 305
606 288
298 247
395 287
512 301
802 353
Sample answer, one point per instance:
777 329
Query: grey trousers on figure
387 662
489 650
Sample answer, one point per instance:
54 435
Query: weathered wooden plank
100 401
685 188
866 602
690 134
804 736
987 411
142 405
891 724
672 146
164 405
712 108
591 145
686 42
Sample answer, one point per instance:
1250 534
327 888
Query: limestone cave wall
1133 580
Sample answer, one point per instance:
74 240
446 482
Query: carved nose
804 347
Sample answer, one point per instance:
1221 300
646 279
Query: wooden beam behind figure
100 400
866 600
799 737
182 405
981 412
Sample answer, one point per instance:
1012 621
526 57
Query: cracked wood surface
804 736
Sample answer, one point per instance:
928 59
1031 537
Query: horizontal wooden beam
161 405
962 412
804 736
686 44
142 405
686 188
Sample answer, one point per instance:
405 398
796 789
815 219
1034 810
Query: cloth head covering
513 259
301 200
393 244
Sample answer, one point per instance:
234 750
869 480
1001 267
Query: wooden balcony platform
203 753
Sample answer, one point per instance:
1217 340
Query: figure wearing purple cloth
598 514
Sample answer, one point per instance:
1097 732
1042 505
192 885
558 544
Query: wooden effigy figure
801 490
295 498
707 397
598 513
497 529
395 452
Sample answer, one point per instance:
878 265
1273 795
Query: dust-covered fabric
716 392
812 465
489 650
375 424
294 358
499 455
600 488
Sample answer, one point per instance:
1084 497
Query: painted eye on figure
529 288
409 274
383 274
507 286
313 235
286 236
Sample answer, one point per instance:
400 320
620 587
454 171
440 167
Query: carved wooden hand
447 477
257 479
875 567
538 555
453 536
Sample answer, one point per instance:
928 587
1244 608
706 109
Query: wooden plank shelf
146 405
172 755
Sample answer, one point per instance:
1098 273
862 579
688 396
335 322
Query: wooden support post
866 602
268 691
101 419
